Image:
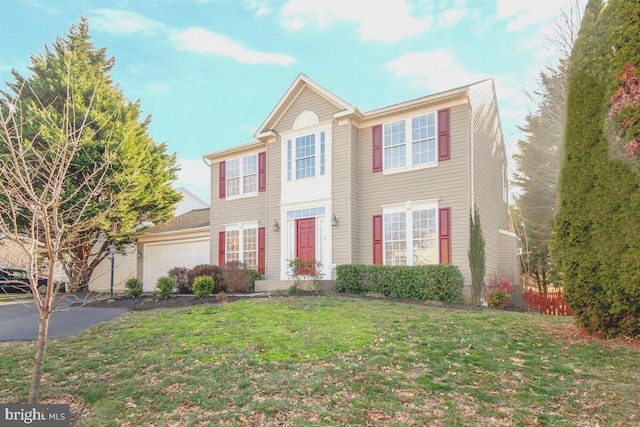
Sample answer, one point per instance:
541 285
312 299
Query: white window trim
409 145
291 136
240 227
408 208
241 193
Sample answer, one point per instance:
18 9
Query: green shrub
203 286
253 276
212 271
427 282
164 287
181 276
134 287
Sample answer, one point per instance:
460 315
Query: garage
159 258
182 242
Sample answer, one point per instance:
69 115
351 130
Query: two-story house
324 180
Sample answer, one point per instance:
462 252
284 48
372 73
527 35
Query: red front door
306 244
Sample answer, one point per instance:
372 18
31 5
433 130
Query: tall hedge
597 228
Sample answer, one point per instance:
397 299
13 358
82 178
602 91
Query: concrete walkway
19 320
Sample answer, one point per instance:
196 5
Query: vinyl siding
308 100
355 194
341 184
509 265
231 211
489 157
272 261
448 182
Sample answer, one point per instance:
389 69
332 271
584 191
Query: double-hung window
242 245
410 142
410 236
306 156
242 176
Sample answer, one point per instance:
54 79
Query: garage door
160 258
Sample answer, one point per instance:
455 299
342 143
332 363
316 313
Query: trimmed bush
212 271
427 282
134 287
239 279
203 286
164 287
181 276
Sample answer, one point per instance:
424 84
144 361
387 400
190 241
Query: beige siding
274 185
224 211
448 182
341 184
308 100
355 194
488 158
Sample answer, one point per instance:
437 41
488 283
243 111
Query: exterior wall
489 157
307 100
125 267
448 182
342 195
232 211
274 186
355 194
188 203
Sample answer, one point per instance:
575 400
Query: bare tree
33 188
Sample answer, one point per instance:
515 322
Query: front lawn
332 361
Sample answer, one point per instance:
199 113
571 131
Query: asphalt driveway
19 320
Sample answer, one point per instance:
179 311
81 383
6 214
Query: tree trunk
38 362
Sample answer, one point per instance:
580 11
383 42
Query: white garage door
160 258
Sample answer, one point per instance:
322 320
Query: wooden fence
552 303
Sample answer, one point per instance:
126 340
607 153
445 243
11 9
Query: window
242 245
306 156
420 150
242 176
410 236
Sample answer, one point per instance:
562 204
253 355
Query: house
324 180
159 248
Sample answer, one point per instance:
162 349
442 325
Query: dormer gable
305 89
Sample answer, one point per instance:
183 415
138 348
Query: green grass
309 361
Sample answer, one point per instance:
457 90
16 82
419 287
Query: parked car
14 280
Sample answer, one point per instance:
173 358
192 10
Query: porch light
276 226
334 220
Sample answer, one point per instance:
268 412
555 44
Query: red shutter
261 247
377 239
444 142
377 148
444 215
222 180
222 244
262 171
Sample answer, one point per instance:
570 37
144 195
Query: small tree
477 258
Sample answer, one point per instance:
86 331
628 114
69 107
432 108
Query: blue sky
210 71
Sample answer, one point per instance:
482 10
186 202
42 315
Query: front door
306 244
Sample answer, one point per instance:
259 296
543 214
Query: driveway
19 320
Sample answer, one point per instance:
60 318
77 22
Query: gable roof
198 218
301 82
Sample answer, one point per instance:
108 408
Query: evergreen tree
597 232
477 257
74 76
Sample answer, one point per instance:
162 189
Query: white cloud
159 88
258 7
389 20
522 13
436 70
203 41
194 175
124 22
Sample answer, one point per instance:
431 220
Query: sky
209 72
